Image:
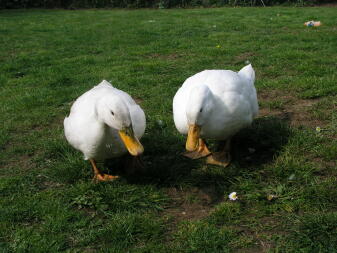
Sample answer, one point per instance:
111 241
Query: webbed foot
104 177
222 158
200 152
98 175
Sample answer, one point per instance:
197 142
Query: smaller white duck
215 104
103 123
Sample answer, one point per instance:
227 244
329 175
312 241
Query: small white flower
233 196
318 129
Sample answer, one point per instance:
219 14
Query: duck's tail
105 83
248 73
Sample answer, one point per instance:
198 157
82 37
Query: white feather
86 130
230 105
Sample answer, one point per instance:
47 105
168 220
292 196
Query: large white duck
215 104
103 123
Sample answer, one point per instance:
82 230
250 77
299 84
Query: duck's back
227 83
219 81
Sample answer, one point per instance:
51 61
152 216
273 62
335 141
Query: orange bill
193 137
131 142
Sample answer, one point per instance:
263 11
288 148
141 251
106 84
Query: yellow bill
193 137
131 142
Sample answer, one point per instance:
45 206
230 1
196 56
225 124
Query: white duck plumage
220 102
97 119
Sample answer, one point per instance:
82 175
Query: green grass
48 202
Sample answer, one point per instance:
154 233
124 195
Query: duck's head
199 107
115 113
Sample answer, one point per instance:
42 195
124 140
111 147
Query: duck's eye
112 113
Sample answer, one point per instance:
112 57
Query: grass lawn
48 201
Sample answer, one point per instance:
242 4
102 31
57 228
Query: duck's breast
179 110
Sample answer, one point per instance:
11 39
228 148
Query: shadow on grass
166 167
192 185
259 144
163 163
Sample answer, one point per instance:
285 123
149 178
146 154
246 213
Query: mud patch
191 204
262 238
298 112
138 100
172 56
22 162
243 57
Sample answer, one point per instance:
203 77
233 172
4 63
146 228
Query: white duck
103 123
215 104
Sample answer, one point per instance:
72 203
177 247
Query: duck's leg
223 157
98 175
201 151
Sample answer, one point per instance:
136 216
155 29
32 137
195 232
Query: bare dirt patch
326 168
138 100
24 162
298 112
191 204
262 238
243 57
172 56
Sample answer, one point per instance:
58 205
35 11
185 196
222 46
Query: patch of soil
166 57
191 204
262 238
46 182
326 168
243 57
24 162
138 100
294 110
